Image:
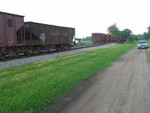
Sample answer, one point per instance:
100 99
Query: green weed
31 88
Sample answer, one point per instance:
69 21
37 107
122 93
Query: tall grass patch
148 51
148 48
31 88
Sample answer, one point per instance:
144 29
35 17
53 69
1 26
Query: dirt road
122 88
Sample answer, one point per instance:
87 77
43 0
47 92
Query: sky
86 16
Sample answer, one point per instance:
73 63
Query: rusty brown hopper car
98 38
9 26
106 38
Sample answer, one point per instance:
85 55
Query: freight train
100 38
17 36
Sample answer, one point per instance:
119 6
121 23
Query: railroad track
35 58
22 55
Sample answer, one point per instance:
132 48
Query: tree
140 36
88 38
126 33
114 30
146 35
132 37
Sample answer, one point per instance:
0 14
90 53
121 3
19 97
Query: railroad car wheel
3 56
29 51
16 54
11 53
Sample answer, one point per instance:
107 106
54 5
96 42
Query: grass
149 51
31 88
148 47
89 42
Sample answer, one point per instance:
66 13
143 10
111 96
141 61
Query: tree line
147 34
126 33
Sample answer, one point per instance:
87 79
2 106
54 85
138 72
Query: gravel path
18 62
122 88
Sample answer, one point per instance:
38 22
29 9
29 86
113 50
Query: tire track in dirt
122 88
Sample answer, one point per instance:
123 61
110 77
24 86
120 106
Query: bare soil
122 88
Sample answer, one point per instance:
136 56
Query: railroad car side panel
2 30
9 25
11 30
98 37
42 34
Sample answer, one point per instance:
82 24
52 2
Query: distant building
78 40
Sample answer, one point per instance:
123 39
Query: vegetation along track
33 87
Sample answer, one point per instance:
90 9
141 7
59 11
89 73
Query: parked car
142 44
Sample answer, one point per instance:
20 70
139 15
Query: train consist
99 38
17 36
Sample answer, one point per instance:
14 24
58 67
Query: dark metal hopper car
43 34
42 37
121 39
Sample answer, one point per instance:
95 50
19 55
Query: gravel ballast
18 62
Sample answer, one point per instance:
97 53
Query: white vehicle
142 44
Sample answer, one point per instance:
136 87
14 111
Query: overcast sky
87 16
